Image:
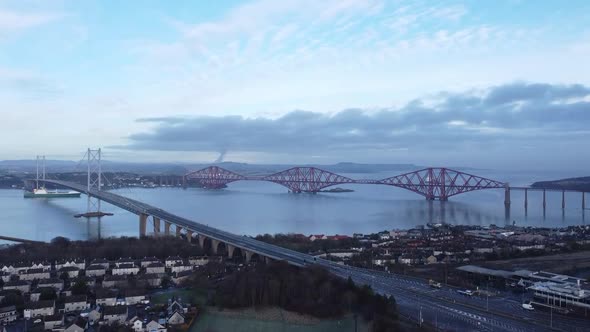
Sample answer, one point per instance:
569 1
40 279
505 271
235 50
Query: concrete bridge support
189 235
507 195
544 199
156 226
230 251
248 255
267 260
214 246
142 224
202 241
178 230
167 228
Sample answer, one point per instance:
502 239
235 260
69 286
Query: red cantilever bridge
432 183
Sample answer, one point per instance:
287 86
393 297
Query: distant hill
581 183
52 166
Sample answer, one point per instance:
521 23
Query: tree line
61 248
312 291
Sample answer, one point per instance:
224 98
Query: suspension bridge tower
94 180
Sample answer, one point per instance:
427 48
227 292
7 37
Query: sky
499 84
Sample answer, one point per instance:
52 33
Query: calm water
260 207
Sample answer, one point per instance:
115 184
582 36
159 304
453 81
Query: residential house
96 270
125 269
338 237
53 321
384 236
102 262
154 326
181 268
409 259
8 268
172 261
124 261
5 276
21 267
198 260
79 325
176 305
94 315
79 263
36 293
35 274
8 314
89 281
397 234
54 283
317 237
155 268
114 281
45 266
176 318
20 285
114 314
136 324
149 260
106 297
75 303
134 296
150 280
179 277
39 308
71 271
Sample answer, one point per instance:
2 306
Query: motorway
444 308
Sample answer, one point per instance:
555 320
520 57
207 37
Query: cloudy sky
503 83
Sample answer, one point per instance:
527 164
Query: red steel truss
214 177
432 183
307 179
440 183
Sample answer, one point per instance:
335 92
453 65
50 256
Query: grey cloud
510 115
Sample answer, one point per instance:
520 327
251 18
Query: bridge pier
248 255
189 235
214 246
202 241
142 224
507 195
563 199
167 228
178 230
156 226
544 200
507 202
230 251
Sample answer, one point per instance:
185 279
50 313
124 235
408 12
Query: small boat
44 193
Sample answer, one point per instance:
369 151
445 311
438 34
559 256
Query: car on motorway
465 292
528 306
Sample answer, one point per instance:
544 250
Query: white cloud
11 21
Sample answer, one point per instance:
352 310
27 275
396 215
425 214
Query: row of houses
40 270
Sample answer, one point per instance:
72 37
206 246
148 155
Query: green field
218 322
